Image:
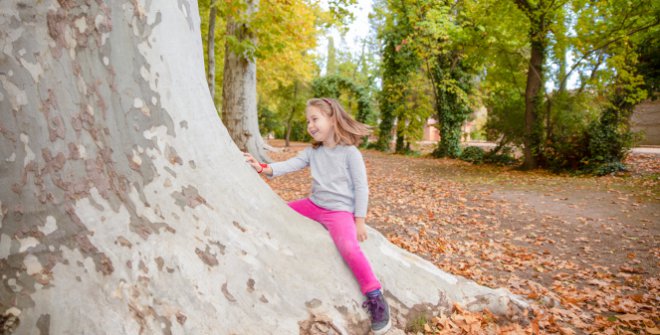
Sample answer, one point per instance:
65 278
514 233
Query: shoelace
375 307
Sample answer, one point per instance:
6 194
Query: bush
609 168
473 155
505 158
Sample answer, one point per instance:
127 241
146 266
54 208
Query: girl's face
319 125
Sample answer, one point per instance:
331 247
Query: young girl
339 193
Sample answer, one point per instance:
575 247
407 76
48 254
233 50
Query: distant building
476 121
431 132
646 119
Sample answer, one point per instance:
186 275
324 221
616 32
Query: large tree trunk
239 91
127 209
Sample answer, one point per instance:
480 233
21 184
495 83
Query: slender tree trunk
291 114
400 145
127 209
239 90
211 50
534 97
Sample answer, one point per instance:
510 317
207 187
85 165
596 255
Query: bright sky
358 30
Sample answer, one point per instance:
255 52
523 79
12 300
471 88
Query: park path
585 250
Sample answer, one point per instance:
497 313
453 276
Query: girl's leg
341 226
306 208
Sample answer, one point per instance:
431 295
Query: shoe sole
384 329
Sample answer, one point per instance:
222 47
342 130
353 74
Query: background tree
138 213
215 45
571 96
398 61
239 85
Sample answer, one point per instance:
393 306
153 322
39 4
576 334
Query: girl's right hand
253 162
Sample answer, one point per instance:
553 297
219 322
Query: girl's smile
319 126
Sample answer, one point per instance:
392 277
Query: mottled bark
239 90
127 209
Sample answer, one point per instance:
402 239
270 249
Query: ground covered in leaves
584 250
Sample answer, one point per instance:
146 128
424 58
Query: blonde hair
347 130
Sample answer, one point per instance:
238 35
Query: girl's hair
347 130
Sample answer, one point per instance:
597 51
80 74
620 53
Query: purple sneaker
379 311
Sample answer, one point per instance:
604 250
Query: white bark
127 209
239 91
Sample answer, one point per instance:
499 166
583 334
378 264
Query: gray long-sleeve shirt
339 177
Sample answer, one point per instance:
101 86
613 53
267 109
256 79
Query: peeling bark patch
227 294
250 285
44 324
319 324
220 246
66 3
342 309
189 196
74 151
206 257
263 299
172 156
10 321
55 128
123 242
106 265
139 316
181 318
159 262
313 303
56 22
238 225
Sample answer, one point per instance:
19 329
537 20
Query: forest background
559 79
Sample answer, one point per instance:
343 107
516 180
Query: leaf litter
583 250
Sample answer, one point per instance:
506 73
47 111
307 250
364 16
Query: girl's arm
256 165
280 168
358 172
361 228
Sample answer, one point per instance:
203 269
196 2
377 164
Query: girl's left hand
361 228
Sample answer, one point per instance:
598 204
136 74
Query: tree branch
525 6
606 44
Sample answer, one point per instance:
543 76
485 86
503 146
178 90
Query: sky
358 30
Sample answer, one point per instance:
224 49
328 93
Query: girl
339 193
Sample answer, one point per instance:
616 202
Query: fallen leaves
584 251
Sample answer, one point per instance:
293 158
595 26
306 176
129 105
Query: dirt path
584 249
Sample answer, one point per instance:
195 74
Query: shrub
473 155
609 168
504 158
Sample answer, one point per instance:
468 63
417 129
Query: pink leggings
341 226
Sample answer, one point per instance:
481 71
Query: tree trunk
534 96
291 115
239 91
211 49
127 209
